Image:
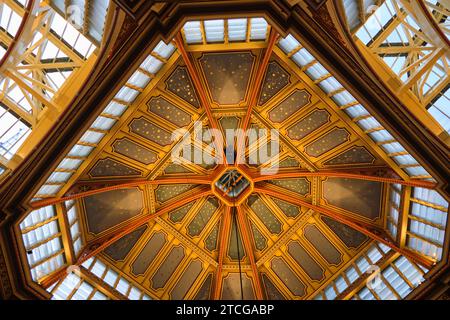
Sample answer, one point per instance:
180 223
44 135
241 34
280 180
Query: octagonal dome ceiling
166 198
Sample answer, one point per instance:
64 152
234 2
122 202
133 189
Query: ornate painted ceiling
311 197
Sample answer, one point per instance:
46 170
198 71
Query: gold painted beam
52 201
349 175
370 232
258 83
102 242
247 239
223 241
200 90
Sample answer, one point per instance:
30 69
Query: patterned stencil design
300 186
167 268
358 196
287 208
271 290
309 124
350 237
260 240
180 84
169 112
288 277
167 192
119 249
151 132
105 210
148 253
305 261
227 75
354 155
276 79
264 214
294 102
203 216
329 141
211 240
135 151
109 167
178 214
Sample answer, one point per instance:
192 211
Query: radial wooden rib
102 242
51 201
223 240
337 174
373 234
200 90
259 78
247 239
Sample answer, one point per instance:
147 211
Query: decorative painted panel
294 102
166 192
359 196
231 289
150 131
112 168
135 151
287 208
204 293
260 239
264 214
177 215
288 276
308 124
148 253
300 185
329 141
323 245
105 210
235 246
354 155
120 249
187 279
203 216
349 236
305 261
276 78
180 83
272 293
167 267
227 75
168 111
211 240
